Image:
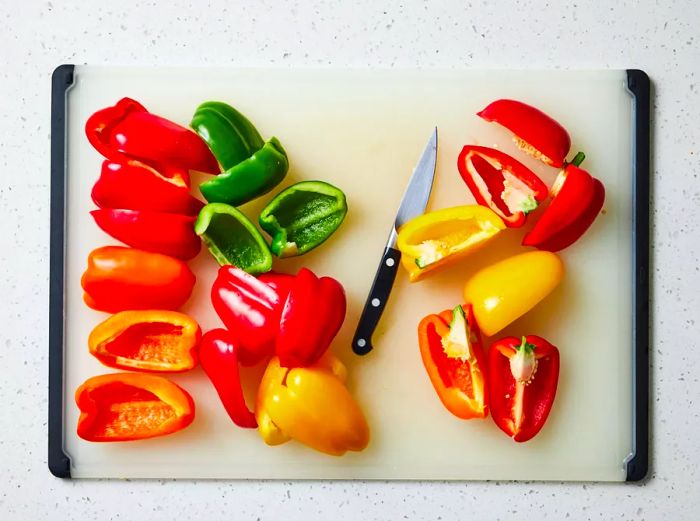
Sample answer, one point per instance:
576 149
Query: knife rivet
361 342
390 262
376 302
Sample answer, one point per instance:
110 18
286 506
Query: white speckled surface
36 36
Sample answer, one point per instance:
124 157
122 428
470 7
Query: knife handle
378 295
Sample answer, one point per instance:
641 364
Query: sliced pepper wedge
450 346
500 182
148 340
311 317
251 307
231 137
127 130
137 186
128 406
303 216
119 278
168 233
577 200
505 291
219 358
523 377
232 239
250 178
435 239
311 405
534 131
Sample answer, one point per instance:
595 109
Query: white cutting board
363 131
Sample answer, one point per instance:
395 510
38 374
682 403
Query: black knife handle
378 296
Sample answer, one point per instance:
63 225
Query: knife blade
414 201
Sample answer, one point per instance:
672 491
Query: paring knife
414 201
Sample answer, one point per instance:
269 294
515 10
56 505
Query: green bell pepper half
249 179
231 137
302 216
233 239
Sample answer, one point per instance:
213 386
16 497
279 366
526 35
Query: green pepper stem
578 159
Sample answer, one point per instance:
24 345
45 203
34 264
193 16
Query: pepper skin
232 239
311 405
249 179
504 291
303 216
450 346
535 132
218 354
251 308
149 340
501 183
578 199
119 279
311 317
136 186
433 240
231 137
128 131
167 233
128 406
523 377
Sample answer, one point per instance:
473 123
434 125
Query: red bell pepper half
218 354
312 316
501 183
577 200
251 308
137 186
523 377
128 131
535 132
168 233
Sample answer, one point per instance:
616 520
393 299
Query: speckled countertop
35 36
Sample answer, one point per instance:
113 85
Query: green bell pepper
232 239
302 216
231 137
250 178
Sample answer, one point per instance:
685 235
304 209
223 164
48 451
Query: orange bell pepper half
119 278
150 340
450 346
128 406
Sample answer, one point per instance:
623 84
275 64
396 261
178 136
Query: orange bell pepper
450 346
119 278
127 406
311 405
150 340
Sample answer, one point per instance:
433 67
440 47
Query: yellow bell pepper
311 405
502 292
435 239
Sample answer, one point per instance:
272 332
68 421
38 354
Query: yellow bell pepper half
435 239
504 291
312 406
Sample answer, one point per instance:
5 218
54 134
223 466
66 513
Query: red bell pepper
128 131
523 376
250 308
450 346
127 406
535 132
501 183
218 354
311 317
119 279
168 233
137 186
577 200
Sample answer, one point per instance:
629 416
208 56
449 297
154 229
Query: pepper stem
578 159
